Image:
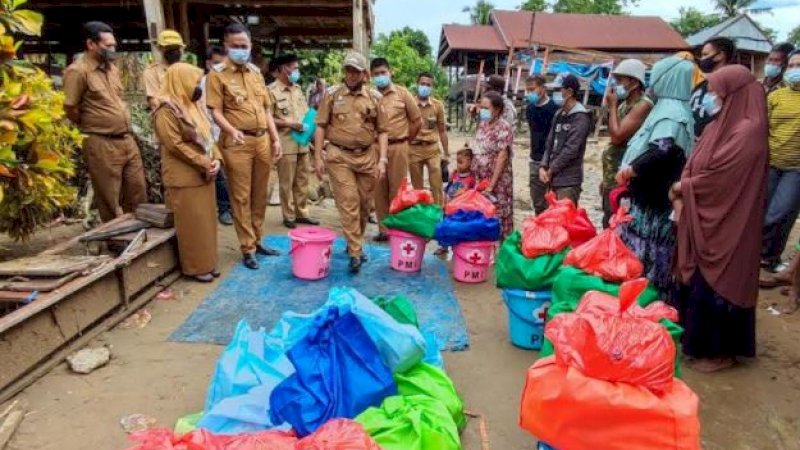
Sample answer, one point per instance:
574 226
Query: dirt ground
753 406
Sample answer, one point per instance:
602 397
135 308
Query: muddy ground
753 406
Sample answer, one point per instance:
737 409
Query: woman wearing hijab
189 166
652 162
722 197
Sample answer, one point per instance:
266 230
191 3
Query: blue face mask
240 56
424 91
792 76
294 77
710 105
621 92
382 81
558 98
532 98
772 70
484 115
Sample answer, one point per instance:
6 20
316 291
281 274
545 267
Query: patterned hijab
180 82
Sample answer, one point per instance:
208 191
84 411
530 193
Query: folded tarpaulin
515 271
418 219
415 422
467 226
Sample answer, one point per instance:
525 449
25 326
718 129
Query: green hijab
671 117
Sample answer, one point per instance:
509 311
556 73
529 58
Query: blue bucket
527 312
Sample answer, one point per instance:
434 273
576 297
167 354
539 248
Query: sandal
206 278
712 365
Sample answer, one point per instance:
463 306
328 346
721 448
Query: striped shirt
784 129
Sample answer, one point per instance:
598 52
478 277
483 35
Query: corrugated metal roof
473 37
587 31
742 29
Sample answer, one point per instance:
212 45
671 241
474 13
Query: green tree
692 20
794 36
407 63
534 5
592 6
479 13
732 8
417 39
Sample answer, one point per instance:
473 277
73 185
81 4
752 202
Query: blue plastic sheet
339 374
432 354
467 226
310 124
585 71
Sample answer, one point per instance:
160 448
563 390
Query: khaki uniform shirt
289 104
153 79
240 93
401 109
352 119
432 117
98 95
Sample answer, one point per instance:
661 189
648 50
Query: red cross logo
475 257
409 249
540 314
326 255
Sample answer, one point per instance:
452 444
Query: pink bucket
312 248
408 251
471 261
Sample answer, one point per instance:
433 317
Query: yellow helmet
170 38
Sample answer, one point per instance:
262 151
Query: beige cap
355 60
170 38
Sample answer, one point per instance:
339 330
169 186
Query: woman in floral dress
492 162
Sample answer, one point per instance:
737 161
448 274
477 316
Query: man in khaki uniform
425 150
93 101
353 122
170 45
240 104
289 108
404 122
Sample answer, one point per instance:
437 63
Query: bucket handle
487 264
294 239
528 320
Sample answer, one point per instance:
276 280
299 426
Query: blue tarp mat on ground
261 296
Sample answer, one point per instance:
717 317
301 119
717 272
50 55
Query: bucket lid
312 234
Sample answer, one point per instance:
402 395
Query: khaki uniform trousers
352 178
248 167
195 227
293 174
430 156
117 174
388 186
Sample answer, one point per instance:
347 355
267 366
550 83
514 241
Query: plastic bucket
311 252
527 312
408 250
471 261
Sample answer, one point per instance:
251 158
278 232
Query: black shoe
355 264
250 262
266 251
381 237
226 218
364 258
307 221
289 224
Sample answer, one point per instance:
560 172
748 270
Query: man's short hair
425 75
236 28
283 60
94 28
215 50
466 151
379 62
784 49
538 80
724 45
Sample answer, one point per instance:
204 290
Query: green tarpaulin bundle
419 219
515 271
424 379
415 422
400 308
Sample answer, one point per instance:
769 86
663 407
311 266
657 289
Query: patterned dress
491 139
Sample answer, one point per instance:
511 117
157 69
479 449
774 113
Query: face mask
621 92
792 77
707 64
294 76
485 115
772 70
108 54
197 94
532 98
558 98
381 81
710 105
172 55
424 91
240 56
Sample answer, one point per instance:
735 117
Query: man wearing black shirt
539 111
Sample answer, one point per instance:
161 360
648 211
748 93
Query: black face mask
197 94
707 64
173 55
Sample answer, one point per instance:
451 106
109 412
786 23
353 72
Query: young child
462 179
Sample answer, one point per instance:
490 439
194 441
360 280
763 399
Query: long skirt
651 236
713 326
196 227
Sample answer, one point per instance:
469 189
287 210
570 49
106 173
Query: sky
429 15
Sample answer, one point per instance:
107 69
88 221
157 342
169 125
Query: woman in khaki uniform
189 165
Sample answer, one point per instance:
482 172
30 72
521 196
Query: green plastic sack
187 424
424 379
572 283
515 271
400 308
416 422
419 219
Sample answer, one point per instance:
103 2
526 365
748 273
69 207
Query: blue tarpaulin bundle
585 71
467 226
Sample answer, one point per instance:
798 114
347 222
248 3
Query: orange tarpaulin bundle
564 212
472 200
606 256
407 197
543 236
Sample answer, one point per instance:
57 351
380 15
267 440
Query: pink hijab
724 187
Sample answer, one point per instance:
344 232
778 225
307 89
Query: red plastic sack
407 197
575 220
164 439
339 434
605 340
543 236
606 256
472 200
569 410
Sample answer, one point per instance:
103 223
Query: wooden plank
37 284
66 245
9 424
154 14
49 265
